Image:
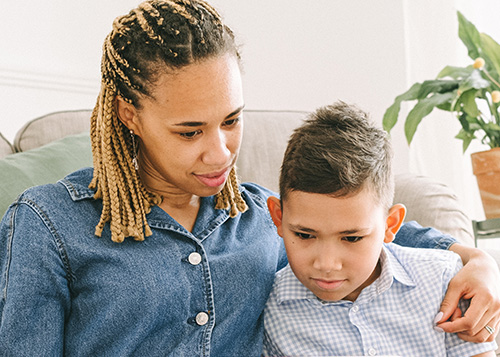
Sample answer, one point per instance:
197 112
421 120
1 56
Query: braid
168 33
230 196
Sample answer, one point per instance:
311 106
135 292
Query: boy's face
334 244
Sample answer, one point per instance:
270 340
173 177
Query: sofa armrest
433 204
51 127
5 147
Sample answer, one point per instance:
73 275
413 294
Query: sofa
47 148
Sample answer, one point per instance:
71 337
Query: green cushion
46 164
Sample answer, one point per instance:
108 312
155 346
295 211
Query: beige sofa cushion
433 204
265 137
5 147
51 127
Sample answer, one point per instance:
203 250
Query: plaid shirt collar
290 288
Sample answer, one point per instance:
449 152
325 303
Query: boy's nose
328 261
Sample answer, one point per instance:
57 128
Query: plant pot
486 168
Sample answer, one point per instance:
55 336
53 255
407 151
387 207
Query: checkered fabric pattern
392 316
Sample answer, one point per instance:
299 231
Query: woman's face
190 130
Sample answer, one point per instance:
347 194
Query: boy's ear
394 221
127 114
274 206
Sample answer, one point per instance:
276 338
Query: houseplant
472 94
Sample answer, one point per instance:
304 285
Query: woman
197 252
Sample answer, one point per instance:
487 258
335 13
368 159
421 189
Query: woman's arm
478 280
412 234
34 290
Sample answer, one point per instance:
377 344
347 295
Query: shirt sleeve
412 234
34 286
270 349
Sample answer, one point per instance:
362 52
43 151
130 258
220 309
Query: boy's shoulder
423 265
410 254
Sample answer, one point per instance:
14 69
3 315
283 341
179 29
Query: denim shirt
65 291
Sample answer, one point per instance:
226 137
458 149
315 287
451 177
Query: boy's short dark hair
338 151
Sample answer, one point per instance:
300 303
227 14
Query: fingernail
438 317
438 329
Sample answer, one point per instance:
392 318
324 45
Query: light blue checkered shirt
392 316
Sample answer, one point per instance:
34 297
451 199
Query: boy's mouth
328 284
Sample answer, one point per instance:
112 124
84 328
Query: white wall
303 54
50 54
297 54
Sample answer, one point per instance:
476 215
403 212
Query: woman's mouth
214 179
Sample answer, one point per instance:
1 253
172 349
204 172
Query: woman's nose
217 151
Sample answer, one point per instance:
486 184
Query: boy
344 291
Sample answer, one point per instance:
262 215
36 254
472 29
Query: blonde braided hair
172 33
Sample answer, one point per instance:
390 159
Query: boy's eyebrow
298 227
354 231
200 123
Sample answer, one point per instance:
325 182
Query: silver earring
134 151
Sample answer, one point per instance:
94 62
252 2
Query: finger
450 301
475 318
483 336
456 314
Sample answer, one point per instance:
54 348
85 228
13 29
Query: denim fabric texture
65 291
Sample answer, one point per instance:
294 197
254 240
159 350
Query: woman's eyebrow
236 111
191 123
201 123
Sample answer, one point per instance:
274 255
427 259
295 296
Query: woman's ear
274 206
127 114
394 221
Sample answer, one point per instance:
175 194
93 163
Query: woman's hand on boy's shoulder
479 281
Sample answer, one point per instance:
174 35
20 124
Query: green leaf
475 80
492 127
462 118
490 51
446 106
469 35
423 108
437 86
392 113
466 137
468 101
455 72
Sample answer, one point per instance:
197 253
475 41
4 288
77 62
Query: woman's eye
304 235
191 134
232 122
352 239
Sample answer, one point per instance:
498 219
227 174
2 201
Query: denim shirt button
202 318
194 258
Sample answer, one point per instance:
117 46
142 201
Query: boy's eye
352 239
190 134
304 235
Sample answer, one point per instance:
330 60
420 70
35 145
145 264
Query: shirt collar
208 220
290 288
